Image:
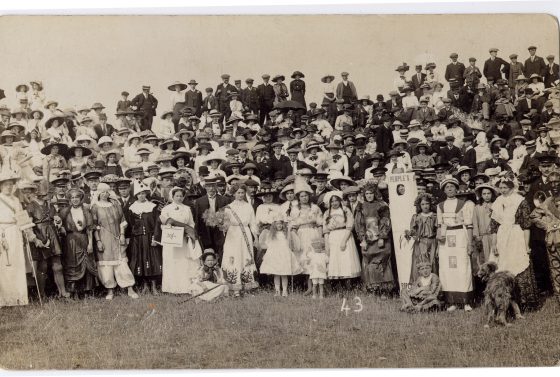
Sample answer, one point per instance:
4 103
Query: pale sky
87 59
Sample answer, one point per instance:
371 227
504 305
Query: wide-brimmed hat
449 179
97 105
519 137
85 151
535 76
8 176
176 143
58 117
39 83
521 77
279 77
335 182
62 148
116 152
478 189
213 156
297 129
328 196
175 83
297 73
166 113
289 187
326 77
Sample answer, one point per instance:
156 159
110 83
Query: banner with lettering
402 194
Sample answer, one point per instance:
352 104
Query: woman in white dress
454 218
511 218
338 223
180 264
13 282
131 158
437 96
518 154
238 262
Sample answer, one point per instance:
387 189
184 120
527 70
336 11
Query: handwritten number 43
358 307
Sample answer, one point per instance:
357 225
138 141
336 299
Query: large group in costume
243 188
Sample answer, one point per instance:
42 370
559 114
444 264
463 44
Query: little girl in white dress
279 259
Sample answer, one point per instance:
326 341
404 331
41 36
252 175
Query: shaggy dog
501 292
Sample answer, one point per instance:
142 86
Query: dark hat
378 171
442 166
453 55
468 138
297 73
265 76
531 48
450 138
93 174
472 59
203 171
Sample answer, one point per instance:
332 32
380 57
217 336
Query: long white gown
238 262
343 264
13 282
180 264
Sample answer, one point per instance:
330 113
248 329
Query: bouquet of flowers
217 219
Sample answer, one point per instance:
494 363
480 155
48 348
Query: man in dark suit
125 198
459 96
552 72
494 66
210 237
103 129
266 98
294 164
450 150
547 113
279 162
530 162
193 98
534 64
469 157
147 104
424 113
384 136
359 162
250 97
496 161
417 80
223 91
526 105
455 70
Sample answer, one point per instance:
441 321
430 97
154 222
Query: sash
242 227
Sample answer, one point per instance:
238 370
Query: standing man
223 91
346 90
515 69
552 72
193 98
147 104
266 98
210 237
534 64
494 66
417 80
455 70
250 97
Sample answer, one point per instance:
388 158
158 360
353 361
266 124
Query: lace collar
140 208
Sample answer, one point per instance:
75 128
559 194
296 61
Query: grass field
263 331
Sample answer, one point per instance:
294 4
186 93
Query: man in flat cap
146 103
250 97
515 69
494 66
193 98
455 70
266 98
346 89
223 91
552 72
534 64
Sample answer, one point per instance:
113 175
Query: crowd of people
248 187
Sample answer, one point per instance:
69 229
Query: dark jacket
537 66
455 71
494 68
147 105
193 99
209 237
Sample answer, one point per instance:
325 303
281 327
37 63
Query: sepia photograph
186 192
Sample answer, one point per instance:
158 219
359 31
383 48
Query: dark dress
423 229
80 269
372 222
297 91
44 230
144 259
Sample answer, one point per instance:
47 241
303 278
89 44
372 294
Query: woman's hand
342 246
154 243
100 246
381 243
90 249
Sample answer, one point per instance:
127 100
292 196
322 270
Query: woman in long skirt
344 263
13 282
144 258
78 259
180 263
454 218
511 218
373 226
109 231
238 262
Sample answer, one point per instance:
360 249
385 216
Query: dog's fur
500 294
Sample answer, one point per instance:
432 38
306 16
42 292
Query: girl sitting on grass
423 294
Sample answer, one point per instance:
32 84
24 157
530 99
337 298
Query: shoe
109 296
285 294
314 297
133 295
468 308
452 308
277 294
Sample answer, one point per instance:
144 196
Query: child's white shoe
284 294
452 308
314 297
468 308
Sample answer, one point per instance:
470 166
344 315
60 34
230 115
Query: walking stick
28 251
200 294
